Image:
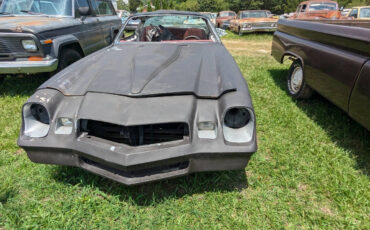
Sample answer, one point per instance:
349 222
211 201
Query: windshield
365 13
166 28
37 7
254 14
323 6
226 14
210 15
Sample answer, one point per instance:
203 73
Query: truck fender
61 41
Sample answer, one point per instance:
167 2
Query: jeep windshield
37 7
323 6
161 28
254 14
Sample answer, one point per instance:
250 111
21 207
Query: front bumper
28 67
135 165
257 29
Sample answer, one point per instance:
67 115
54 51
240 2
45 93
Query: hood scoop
151 69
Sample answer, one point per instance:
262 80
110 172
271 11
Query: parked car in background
47 36
166 101
212 16
252 21
317 9
132 24
223 19
124 16
345 12
331 57
361 13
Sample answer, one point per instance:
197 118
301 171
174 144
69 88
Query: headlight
64 126
29 45
36 120
238 125
207 130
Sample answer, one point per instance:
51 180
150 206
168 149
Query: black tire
298 89
2 78
67 57
240 32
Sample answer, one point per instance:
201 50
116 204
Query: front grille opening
140 172
138 135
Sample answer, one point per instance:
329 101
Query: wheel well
290 57
74 46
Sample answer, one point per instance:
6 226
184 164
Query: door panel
331 71
359 108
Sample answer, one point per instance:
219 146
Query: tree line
275 6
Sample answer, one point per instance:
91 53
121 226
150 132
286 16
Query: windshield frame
212 29
39 15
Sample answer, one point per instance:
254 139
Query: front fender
62 41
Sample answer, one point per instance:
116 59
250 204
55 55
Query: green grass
310 172
249 37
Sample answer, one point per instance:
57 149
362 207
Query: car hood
152 69
33 24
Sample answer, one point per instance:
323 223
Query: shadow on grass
21 86
156 192
343 131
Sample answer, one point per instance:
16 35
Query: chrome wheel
296 80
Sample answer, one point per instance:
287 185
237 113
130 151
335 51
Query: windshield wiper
5 13
32 13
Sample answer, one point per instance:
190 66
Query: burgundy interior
180 33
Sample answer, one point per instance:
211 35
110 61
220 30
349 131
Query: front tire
68 57
240 32
2 78
297 86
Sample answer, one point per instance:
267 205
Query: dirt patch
248 48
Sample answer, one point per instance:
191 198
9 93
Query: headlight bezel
32 126
31 43
242 135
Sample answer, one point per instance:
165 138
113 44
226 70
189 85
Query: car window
353 13
254 14
162 28
303 8
365 13
102 7
323 6
35 7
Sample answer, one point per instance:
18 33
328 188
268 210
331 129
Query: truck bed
345 34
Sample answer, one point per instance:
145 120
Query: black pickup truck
330 57
46 36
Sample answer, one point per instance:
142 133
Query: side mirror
84 11
341 8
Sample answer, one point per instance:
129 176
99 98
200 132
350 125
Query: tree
134 4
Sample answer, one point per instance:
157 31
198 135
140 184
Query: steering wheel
192 37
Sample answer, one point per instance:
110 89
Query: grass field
311 170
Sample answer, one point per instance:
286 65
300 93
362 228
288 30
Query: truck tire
240 32
67 57
297 87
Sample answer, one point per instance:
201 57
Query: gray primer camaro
167 101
